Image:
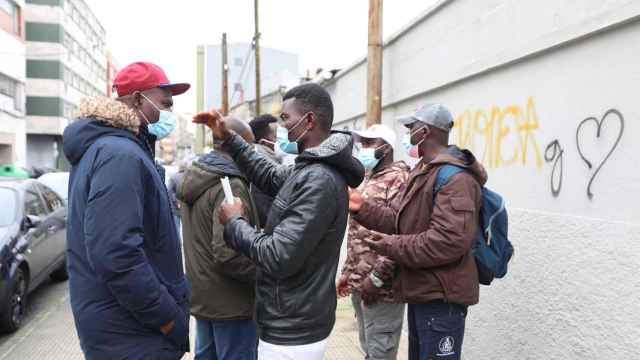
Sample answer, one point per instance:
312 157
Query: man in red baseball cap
129 294
145 87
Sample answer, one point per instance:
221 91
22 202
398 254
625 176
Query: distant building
112 70
66 61
278 68
12 82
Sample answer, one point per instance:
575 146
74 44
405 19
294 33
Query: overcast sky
325 33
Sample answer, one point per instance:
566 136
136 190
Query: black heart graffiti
611 114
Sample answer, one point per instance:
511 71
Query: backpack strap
445 173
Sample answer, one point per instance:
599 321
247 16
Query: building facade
546 97
278 68
66 61
12 83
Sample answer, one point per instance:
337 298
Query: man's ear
312 121
137 99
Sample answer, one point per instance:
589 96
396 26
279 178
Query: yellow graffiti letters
506 136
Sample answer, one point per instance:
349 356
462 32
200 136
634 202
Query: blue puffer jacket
124 259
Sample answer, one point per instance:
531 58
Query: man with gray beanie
428 231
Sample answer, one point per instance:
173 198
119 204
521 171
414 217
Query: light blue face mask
367 157
166 122
282 138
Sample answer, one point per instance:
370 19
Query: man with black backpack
430 235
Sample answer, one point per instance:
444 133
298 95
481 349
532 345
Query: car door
56 224
36 237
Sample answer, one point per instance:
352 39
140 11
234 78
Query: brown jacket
381 187
432 247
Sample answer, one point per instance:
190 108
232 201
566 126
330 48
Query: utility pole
225 77
256 42
374 64
200 133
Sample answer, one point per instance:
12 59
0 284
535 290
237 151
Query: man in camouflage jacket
367 275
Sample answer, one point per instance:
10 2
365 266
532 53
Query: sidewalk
344 344
49 332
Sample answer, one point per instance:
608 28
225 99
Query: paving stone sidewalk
49 333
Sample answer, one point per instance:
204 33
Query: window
8 210
237 61
7 86
7 6
12 15
53 201
33 204
13 89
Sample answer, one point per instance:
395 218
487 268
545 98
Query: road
48 331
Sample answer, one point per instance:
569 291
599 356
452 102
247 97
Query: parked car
58 181
33 236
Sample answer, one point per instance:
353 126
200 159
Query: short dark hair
260 126
312 97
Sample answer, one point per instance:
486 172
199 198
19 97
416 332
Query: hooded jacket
433 248
123 253
297 253
222 280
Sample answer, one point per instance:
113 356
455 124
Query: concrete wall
520 78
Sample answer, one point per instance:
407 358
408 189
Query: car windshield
58 182
8 208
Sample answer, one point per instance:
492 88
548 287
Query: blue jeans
226 340
176 220
436 330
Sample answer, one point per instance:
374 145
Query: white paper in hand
226 187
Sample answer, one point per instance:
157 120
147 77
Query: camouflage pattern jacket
382 187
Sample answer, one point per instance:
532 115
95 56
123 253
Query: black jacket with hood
297 253
222 280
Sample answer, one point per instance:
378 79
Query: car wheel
16 305
60 274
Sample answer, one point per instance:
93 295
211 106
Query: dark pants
226 340
436 330
176 220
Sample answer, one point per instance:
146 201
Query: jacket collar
110 112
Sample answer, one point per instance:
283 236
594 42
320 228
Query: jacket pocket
463 207
179 335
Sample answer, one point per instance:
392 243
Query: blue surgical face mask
282 138
368 158
166 122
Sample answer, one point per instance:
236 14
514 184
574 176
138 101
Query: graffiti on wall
554 151
501 136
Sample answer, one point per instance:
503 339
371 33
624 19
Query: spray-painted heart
613 114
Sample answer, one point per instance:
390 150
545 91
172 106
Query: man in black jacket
297 253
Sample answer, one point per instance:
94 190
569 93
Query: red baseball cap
141 76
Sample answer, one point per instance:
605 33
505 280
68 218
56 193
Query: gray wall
518 76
